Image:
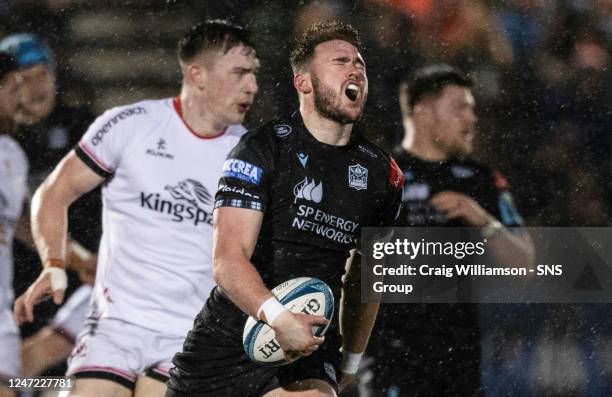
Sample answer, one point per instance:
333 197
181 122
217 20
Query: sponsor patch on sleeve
396 177
240 169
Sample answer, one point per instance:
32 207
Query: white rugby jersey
13 189
155 257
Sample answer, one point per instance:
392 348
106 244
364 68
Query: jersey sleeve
508 214
391 216
245 178
101 146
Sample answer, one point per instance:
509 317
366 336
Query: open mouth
244 107
351 92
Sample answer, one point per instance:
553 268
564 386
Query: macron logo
234 168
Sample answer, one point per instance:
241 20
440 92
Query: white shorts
10 347
70 319
115 350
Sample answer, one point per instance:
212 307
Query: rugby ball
300 295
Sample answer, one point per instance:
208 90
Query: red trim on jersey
501 183
94 158
162 371
396 176
176 102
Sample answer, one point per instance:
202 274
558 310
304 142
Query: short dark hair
215 34
7 64
431 80
320 33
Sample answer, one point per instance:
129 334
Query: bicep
70 179
235 231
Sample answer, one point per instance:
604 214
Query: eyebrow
241 69
344 58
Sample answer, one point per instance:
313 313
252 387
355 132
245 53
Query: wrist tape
270 310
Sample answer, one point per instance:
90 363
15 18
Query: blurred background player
435 349
48 128
13 190
165 159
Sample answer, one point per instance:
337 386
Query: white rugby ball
300 295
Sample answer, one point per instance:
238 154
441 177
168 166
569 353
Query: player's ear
302 83
196 75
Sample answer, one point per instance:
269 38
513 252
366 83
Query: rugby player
48 129
291 201
159 161
13 189
435 350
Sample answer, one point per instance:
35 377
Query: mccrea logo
192 192
99 135
239 169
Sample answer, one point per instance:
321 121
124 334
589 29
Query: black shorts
213 361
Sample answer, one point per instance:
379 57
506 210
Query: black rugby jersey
315 198
424 179
435 347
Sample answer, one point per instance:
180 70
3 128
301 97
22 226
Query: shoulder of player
154 110
372 153
381 160
267 135
487 174
479 168
12 151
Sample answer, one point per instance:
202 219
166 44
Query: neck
195 114
323 129
417 142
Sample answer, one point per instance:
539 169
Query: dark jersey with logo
437 345
315 198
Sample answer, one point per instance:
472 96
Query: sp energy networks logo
308 190
189 200
310 218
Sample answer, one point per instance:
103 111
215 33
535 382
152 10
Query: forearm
356 318
241 282
509 249
49 220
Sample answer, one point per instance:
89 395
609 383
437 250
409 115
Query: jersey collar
297 118
176 103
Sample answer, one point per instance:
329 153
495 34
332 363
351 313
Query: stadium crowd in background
544 90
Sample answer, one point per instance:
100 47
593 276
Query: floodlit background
544 95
